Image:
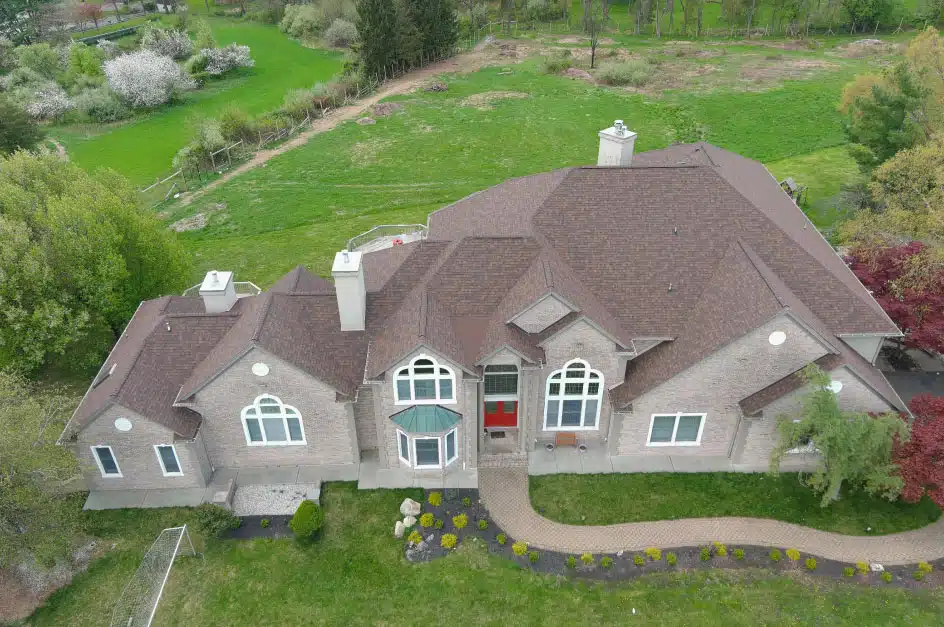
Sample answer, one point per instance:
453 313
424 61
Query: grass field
777 106
356 575
142 148
609 499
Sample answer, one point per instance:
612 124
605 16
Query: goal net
140 597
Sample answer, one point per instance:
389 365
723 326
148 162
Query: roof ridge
548 274
754 259
137 356
266 305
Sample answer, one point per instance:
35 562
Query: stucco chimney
348 273
218 291
616 146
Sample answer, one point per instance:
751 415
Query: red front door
501 414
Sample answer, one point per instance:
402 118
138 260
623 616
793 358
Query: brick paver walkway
505 493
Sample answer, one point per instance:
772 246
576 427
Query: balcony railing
243 288
386 236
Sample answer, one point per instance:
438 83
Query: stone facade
866 345
364 419
542 314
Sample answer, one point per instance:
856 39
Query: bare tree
594 21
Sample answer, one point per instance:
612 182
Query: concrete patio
454 477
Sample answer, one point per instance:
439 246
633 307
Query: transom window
424 381
427 452
170 463
501 380
676 429
269 422
574 396
105 458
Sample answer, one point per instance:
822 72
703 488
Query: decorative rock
876 568
366 120
409 521
409 507
398 530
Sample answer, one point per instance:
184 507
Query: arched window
424 381
269 422
574 396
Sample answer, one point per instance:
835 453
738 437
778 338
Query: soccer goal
140 597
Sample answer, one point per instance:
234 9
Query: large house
648 313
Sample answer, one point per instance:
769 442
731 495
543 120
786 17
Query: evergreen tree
377 34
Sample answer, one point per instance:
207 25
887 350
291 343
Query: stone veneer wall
364 419
542 314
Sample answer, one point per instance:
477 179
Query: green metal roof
426 419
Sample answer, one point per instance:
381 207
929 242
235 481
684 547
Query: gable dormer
543 313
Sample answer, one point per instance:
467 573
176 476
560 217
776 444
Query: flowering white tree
49 102
145 78
174 43
221 60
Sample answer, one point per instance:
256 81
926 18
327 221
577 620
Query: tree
20 20
435 22
145 78
908 282
377 36
925 54
77 256
854 447
17 129
594 21
921 459
90 12
34 516
867 13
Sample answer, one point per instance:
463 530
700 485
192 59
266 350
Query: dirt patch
365 153
578 74
772 70
867 47
190 223
384 109
795 44
485 100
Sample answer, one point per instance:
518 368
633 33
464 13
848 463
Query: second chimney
348 273
218 291
616 146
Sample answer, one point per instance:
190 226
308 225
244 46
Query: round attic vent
260 369
777 338
122 424
834 386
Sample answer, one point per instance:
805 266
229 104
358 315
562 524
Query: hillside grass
142 148
356 575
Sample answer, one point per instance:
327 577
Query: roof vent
675 230
777 338
619 127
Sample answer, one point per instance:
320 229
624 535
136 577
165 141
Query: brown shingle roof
301 281
752 405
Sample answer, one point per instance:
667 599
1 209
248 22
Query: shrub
571 562
298 103
556 65
435 499
775 555
460 521
925 567
48 103
587 558
222 60
449 541
40 58
18 130
300 20
414 537
264 523
84 60
175 44
606 561
705 554
479 15
639 560
483 525
7 54
196 154
101 105
540 11
203 35
810 563
145 78
671 559
519 548
918 575
235 125
739 554
307 521
533 556
862 567
213 520
439 523
887 577
720 550
634 72
848 571
793 554
427 519
465 500
340 34
501 538
654 554
149 5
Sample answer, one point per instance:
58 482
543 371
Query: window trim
584 397
441 444
401 434
259 415
455 445
101 467
502 397
677 415
406 373
160 460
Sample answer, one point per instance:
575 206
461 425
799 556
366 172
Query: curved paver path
505 493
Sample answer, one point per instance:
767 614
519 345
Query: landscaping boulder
365 120
409 521
398 529
409 507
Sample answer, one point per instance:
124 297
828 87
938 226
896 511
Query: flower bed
252 527
629 564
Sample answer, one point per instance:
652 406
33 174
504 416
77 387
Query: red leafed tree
921 459
909 289
91 12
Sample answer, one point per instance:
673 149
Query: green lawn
125 23
356 575
609 499
823 171
143 148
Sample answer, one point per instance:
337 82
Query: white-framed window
424 382
107 463
170 463
681 429
501 382
425 452
574 397
269 422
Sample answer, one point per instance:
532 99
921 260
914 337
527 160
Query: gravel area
276 499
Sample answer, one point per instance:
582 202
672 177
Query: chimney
616 146
348 273
218 291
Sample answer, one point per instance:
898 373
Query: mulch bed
251 527
623 566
